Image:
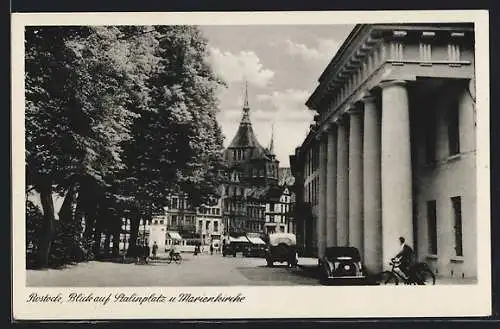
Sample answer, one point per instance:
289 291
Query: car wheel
269 263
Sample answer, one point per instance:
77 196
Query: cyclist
404 257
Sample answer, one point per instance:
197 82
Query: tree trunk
107 240
134 230
47 229
116 241
66 212
97 241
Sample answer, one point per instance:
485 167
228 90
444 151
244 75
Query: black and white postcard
250 165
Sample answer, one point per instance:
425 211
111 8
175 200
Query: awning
255 240
174 235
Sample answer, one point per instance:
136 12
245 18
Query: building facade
278 210
209 223
251 169
392 149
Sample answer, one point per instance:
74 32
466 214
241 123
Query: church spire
245 103
246 108
271 143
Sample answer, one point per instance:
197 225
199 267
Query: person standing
155 249
211 249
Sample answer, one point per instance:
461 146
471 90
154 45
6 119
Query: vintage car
234 245
342 266
256 248
282 248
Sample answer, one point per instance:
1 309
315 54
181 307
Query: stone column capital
331 126
322 134
390 83
368 97
341 118
354 109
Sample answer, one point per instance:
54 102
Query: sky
282 64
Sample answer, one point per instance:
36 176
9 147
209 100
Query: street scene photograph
250 155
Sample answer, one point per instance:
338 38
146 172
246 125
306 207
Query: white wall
451 177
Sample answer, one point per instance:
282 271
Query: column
342 182
331 188
397 214
321 221
356 179
372 207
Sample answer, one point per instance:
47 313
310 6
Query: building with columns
392 149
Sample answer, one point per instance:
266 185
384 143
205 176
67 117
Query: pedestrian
155 249
145 252
211 249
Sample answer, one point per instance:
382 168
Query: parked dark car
342 266
282 248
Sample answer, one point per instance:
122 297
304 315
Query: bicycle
174 256
418 274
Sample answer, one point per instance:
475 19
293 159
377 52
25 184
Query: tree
117 118
177 143
81 84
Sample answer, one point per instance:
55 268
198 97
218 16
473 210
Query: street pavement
200 270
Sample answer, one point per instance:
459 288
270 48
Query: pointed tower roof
245 136
271 143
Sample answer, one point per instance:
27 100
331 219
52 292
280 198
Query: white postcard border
261 302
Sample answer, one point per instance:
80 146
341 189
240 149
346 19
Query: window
430 138
174 220
432 227
457 213
155 221
453 129
161 221
216 226
200 225
207 225
271 218
175 203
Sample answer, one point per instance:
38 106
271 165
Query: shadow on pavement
306 272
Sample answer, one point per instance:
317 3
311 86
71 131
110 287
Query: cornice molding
363 39
390 83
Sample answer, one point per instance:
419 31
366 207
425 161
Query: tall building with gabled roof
251 168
